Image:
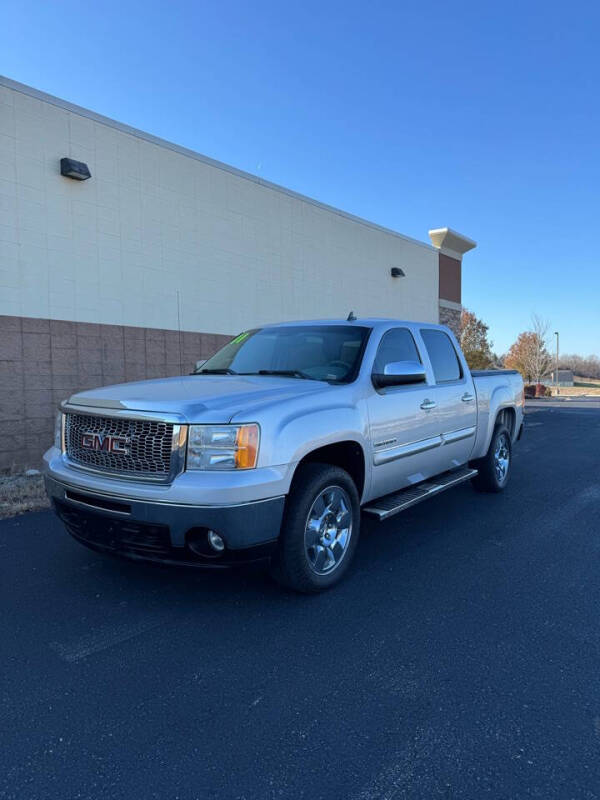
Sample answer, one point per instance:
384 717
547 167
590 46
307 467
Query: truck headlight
222 446
58 431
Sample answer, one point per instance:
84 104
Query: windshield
317 352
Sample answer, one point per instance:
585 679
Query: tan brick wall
451 318
44 361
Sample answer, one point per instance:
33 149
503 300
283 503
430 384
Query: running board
393 503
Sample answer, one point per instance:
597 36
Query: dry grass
587 382
19 493
577 391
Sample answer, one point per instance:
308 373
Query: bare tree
538 359
584 367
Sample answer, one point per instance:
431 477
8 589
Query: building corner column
451 247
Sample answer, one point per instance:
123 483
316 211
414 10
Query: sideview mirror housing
399 373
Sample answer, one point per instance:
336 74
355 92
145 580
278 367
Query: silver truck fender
500 399
327 426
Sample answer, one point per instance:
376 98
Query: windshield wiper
223 371
285 373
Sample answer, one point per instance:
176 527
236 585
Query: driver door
404 424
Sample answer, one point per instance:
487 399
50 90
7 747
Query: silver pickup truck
271 447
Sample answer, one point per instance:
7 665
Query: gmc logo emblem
106 443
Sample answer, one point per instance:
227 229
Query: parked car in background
272 447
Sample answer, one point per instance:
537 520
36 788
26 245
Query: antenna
350 317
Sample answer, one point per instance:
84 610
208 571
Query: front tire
494 467
320 529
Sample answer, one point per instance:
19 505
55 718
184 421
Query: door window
444 361
396 345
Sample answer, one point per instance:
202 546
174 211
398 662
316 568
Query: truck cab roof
369 322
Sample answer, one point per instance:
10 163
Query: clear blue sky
414 115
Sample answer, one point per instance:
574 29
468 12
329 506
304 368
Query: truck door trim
456 436
403 450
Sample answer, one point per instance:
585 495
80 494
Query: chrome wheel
328 530
502 458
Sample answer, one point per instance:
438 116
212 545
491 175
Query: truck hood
200 398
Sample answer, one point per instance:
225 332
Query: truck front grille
142 448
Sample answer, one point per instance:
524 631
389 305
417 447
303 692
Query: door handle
427 404
466 398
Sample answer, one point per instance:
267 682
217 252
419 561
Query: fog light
215 541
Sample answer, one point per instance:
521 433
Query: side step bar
393 503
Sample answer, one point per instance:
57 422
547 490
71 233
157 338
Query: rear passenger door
454 394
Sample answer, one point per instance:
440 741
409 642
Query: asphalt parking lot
460 659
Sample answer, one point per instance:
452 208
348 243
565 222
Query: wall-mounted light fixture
397 272
74 169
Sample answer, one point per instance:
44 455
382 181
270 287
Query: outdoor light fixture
74 169
397 272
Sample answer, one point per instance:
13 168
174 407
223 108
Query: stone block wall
44 361
451 318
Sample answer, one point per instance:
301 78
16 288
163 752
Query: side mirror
199 364
399 373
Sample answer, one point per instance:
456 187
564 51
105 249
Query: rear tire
320 529
494 467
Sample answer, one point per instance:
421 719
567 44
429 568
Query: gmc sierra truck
272 447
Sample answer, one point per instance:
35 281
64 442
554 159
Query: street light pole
556 370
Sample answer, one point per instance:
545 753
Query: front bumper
165 531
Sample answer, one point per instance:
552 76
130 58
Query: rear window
444 361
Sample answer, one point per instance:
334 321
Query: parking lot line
102 639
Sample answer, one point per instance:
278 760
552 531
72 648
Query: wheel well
347 455
508 417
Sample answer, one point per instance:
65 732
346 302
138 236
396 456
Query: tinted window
442 354
396 345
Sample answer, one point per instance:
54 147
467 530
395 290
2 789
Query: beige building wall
156 220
